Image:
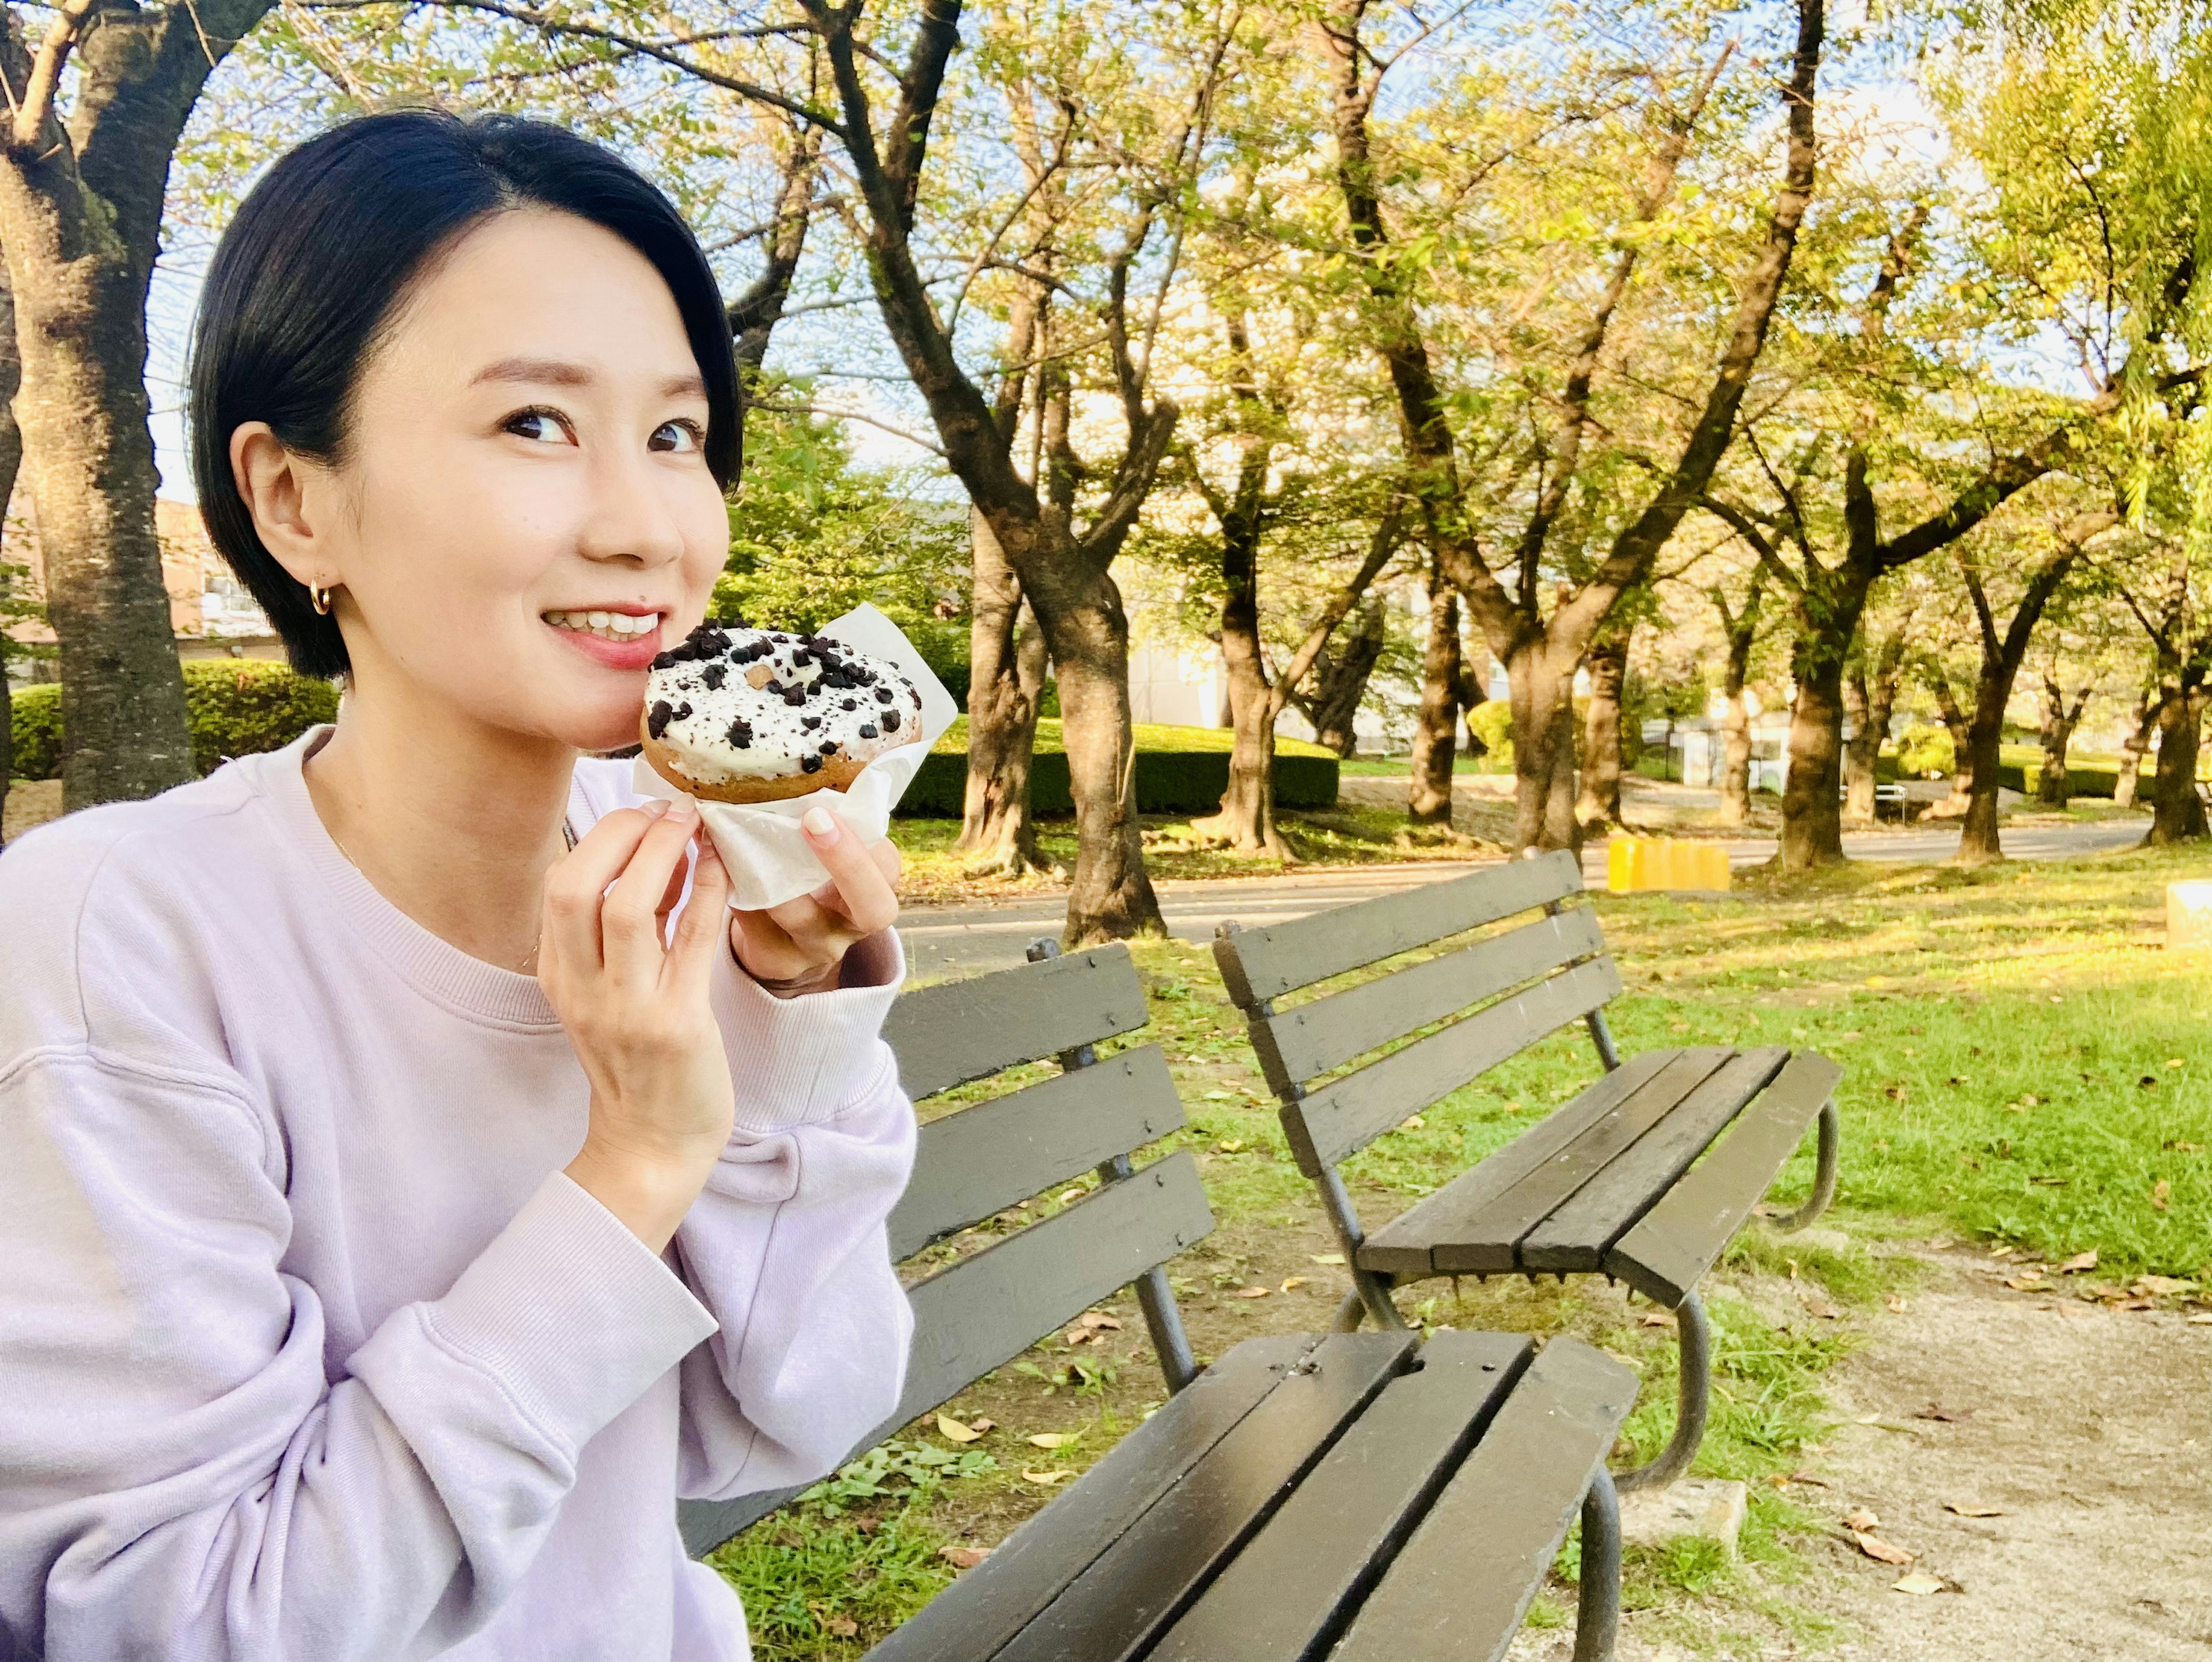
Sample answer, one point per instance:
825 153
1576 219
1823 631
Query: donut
740 715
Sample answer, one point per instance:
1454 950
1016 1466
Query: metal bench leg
1824 1176
1597 1606
1349 1313
1369 1296
1697 1341
1164 1322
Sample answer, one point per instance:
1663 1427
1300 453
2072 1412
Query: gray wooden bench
1353 1491
1644 1177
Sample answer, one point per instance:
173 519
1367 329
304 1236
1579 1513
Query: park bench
1633 1178
1353 1496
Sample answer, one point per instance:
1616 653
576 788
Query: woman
400 1206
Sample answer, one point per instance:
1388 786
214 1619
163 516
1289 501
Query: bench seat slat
960 1031
1117 1605
980 1161
1266 962
1458 1590
1401 1247
1575 1236
1345 1116
1297 1045
990 1604
1297 1580
1487 1239
1677 1241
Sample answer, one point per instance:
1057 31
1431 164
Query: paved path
967 938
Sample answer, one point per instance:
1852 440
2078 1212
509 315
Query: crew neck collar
486 992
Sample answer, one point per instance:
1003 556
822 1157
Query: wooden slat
982 1159
957 1031
1290 1590
1484 1239
989 1605
1677 1241
1346 1115
1266 962
1114 1609
987 1310
1401 1247
1575 1236
1458 1590
1297 1045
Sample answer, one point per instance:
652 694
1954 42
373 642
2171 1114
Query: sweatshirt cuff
572 1314
803 1061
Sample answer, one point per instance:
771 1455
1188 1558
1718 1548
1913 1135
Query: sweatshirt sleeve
787 1245
185 1472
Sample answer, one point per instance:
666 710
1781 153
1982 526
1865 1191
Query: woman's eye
542 425
676 436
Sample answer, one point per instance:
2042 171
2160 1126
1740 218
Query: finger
699 931
674 892
865 895
766 948
570 933
630 920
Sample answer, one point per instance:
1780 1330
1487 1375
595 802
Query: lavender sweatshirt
308 1347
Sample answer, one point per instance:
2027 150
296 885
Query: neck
454 823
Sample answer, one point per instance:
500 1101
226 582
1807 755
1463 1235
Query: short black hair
321 251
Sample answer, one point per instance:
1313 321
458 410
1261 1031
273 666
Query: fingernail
653 807
819 825
684 812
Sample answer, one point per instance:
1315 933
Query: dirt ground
2085 1427
31 802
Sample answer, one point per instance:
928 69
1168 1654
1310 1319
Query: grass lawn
2024 1066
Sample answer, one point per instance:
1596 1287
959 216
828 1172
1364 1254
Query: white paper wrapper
761 842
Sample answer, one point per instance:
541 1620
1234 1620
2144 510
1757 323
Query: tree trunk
80 223
11 456
1340 680
1600 801
2059 722
2132 748
1246 819
1978 838
2176 811
1812 821
1858 762
1543 749
1735 756
1006 678
1435 734
1956 723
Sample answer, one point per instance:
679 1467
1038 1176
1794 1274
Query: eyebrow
558 372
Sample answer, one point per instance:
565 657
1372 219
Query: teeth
607 625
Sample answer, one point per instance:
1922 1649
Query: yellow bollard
1713 861
1666 863
2188 916
1619 855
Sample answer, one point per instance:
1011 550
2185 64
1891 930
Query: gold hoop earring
319 599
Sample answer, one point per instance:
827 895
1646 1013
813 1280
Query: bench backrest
988 1307
1507 990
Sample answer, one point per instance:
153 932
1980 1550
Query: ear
288 496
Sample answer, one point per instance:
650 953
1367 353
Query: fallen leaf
1076 1336
1821 1308
1052 1438
1250 1293
2159 1287
844 1627
1415 1124
1875 1547
1948 1416
2079 1262
1098 1318
1293 1283
1048 1478
1218 1096
1868 1419
2160 1193
1919 1583
1326 1257
2182 1146
2003 1249
1956 1079
949 1427
1896 1305
963 1557
1861 1520
1805 1478
1069 1196
2023 1283
1654 1318
981 1423
1967 1509
1234 1146
2174 1061
1895 1092
2200 1319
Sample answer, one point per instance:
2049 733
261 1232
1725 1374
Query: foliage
234 707
1491 722
1176 768
1924 752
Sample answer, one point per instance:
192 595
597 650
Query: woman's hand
797 947
633 997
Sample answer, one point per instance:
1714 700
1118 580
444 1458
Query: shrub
1491 722
1178 771
232 706
1925 751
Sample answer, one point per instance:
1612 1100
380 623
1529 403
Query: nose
630 519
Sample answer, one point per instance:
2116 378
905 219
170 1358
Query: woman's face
526 514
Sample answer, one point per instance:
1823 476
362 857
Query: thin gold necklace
568 837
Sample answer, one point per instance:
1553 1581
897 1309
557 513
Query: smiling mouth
607 625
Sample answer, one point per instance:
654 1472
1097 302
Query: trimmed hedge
1179 771
233 706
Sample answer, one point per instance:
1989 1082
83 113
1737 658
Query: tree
81 192
1739 635
1340 674
14 606
1541 653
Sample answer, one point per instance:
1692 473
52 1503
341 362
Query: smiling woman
414 1176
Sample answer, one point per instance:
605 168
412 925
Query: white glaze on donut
705 723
